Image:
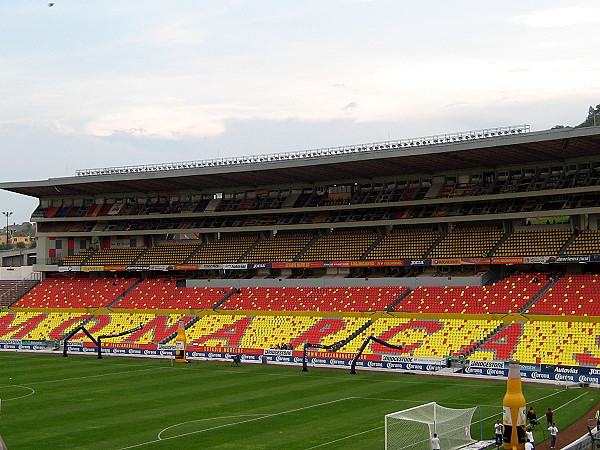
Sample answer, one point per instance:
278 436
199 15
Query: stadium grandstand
474 246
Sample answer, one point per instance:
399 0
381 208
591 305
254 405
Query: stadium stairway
485 340
373 245
84 262
133 286
353 336
252 247
141 254
539 295
501 242
391 307
225 298
17 290
305 249
194 253
435 244
567 244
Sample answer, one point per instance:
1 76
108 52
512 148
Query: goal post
413 428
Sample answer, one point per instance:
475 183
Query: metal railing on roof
315 153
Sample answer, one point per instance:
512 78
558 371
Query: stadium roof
380 162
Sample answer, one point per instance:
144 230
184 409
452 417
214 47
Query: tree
592 119
21 245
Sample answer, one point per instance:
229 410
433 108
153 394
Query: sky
108 83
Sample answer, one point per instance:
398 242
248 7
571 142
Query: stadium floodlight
413 428
375 146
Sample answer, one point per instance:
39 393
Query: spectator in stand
553 432
549 417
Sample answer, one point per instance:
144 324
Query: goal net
413 428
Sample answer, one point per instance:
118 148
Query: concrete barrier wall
15 273
411 282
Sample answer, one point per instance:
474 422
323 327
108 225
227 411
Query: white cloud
157 122
558 17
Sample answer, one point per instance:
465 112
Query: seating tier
509 295
75 292
163 293
346 299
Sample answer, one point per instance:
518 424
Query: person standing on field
498 428
549 417
529 436
532 416
435 442
553 432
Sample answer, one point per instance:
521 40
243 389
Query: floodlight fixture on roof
313 153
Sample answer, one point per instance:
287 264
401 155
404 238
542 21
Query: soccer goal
413 428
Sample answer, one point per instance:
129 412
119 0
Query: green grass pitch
52 402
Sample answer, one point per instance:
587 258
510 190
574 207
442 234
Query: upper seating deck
168 254
348 245
535 242
228 249
516 180
469 241
283 246
341 245
78 258
586 243
405 243
116 256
